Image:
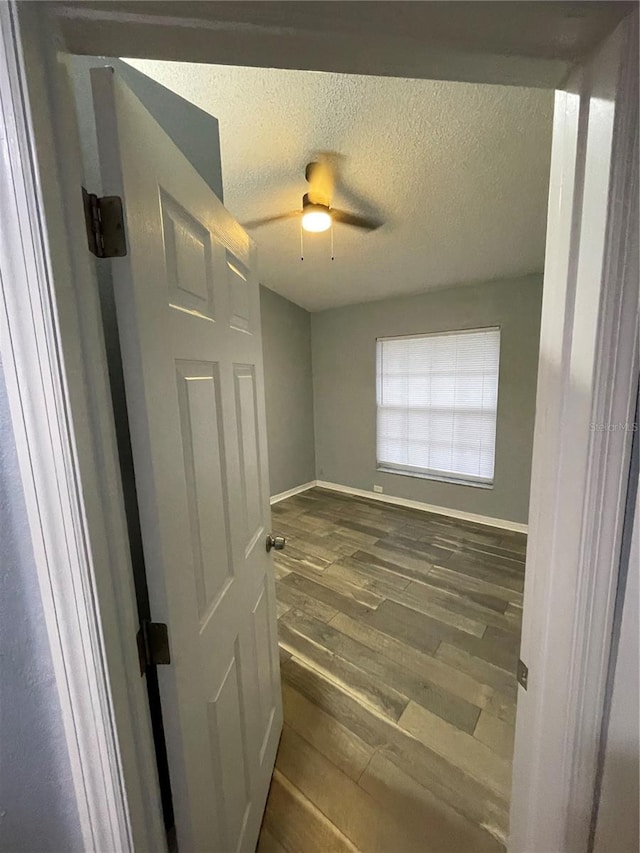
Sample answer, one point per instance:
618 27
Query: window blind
437 401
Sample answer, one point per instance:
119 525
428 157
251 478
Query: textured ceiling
459 173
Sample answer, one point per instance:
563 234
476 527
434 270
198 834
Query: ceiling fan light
317 219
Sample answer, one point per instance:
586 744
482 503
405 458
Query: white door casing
587 381
188 315
55 368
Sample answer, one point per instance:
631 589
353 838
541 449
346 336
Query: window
437 402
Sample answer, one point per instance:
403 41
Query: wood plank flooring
399 634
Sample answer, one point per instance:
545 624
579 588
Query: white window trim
440 476
438 333
425 474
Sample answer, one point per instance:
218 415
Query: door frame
587 380
69 464
55 368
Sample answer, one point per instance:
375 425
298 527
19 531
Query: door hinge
104 219
522 674
153 645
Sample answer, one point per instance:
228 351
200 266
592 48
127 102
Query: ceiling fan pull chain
301 242
332 252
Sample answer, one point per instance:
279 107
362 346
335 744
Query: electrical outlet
378 489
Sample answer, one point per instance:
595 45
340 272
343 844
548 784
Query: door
188 314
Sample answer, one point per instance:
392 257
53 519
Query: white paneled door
188 315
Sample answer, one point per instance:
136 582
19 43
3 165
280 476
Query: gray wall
344 377
286 344
38 810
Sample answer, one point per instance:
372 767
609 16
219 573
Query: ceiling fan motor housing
309 206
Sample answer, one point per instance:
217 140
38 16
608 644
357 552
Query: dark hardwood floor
399 634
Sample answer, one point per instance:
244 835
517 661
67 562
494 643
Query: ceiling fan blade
346 218
321 179
256 223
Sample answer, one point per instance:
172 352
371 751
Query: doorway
439 597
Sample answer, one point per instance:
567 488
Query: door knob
277 542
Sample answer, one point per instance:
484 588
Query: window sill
437 477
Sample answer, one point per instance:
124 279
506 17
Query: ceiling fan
317 213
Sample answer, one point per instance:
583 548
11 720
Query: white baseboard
274 499
504 524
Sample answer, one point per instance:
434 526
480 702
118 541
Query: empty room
400 349
319 389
